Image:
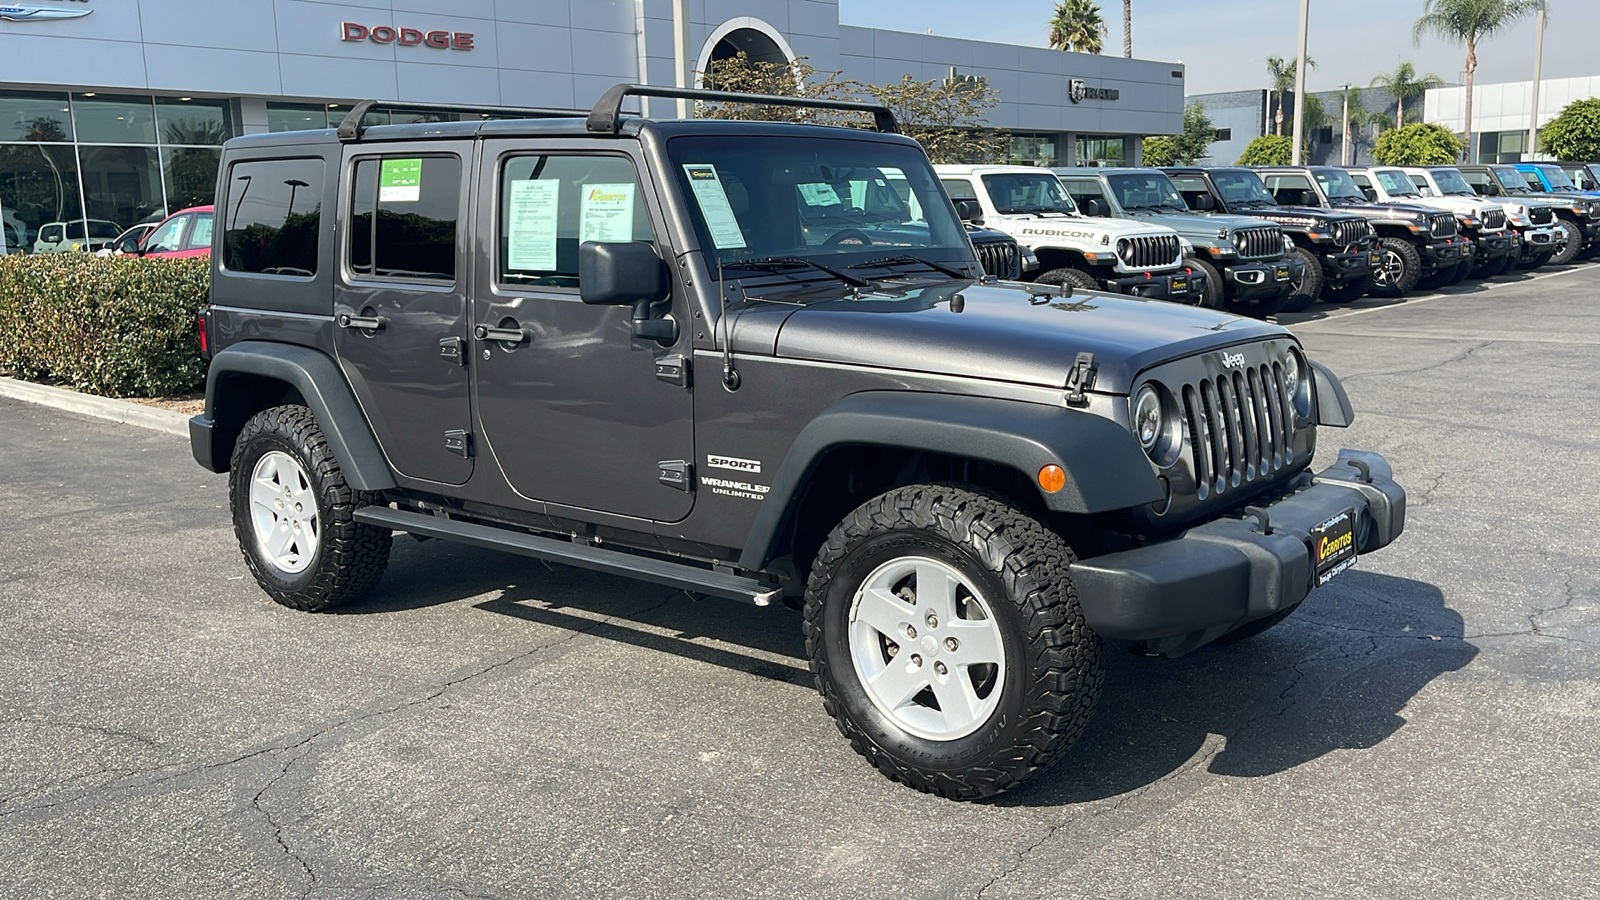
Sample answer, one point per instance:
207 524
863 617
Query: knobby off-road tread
351 556
1065 669
1411 261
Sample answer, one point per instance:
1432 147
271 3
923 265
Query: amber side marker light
1052 478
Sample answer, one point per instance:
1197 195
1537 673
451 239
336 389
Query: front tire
1567 248
1073 278
1215 289
293 514
947 641
1349 292
1311 285
1400 271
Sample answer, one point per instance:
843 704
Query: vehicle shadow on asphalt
1336 675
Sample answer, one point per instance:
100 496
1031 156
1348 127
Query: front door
570 406
400 306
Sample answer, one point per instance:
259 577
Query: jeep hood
1009 332
1033 229
1312 213
1384 210
1200 223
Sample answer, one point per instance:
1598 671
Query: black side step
690 578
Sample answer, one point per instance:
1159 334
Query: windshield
1557 178
1242 187
1026 192
1146 190
1338 185
1511 180
1451 182
1396 183
831 200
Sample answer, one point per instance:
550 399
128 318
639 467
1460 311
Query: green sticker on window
400 181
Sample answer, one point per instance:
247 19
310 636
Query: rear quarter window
274 217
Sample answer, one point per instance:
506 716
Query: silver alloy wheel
927 648
1388 274
283 511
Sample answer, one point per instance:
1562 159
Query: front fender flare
1106 469
317 378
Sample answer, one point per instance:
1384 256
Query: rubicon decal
733 462
408 37
40 13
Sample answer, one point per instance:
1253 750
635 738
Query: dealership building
112 111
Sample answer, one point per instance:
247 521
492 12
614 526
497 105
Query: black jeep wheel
1212 298
1400 270
294 515
1569 245
1535 261
947 641
1073 278
1310 286
1348 292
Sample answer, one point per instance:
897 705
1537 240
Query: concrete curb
120 411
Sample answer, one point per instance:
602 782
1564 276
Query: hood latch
1080 378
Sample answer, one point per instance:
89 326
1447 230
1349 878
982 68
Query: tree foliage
1159 151
743 75
1077 25
1282 74
1575 133
1406 85
1198 133
1267 150
1468 22
1418 144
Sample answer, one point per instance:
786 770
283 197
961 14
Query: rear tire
1312 283
1215 289
965 689
1073 278
1400 271
293 514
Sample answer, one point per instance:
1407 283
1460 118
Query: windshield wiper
794 262
907 258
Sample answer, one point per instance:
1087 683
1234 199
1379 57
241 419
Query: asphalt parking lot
488 726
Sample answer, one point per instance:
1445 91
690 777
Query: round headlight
1148 418
1297 381
1124 249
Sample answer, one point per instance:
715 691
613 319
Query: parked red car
186 232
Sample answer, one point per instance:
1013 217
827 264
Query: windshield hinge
1079 379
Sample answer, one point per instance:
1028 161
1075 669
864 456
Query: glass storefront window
204 122
1035 149
296 116
103 119
191 176
1102 150
120 184
28 116
38 186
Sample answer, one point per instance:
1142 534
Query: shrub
1575 134
120 326
1159 151
1267 150
1418 144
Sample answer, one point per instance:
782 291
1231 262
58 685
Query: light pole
1538 60
294 184
1345 156
1300 84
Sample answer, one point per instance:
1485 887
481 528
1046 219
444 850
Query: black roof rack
607 114
350 127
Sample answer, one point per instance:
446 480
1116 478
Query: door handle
502 335
366 323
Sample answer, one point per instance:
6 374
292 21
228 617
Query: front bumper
1262 280
1441 254
1539 240
1490 247
1180 285
1179 594
1350 263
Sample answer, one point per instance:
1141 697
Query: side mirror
1309 198
1490 190
130 245
627 274
969 211
1092 208
1369 193
1203 203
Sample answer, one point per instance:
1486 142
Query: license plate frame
1333 547
1180 285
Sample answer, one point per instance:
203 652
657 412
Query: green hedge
119 326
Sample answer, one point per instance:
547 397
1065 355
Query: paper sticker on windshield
820 194
531 225
713 200
606 213
400 181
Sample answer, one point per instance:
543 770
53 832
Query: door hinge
673 370
676 473
1079 379
454 349
459 442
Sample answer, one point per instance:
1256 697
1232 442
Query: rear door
400 303
573 409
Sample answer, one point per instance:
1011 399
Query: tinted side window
1286 189
1084 190
200 235
959 188
274 216
403 217
551 204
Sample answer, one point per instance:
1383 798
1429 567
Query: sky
1225 43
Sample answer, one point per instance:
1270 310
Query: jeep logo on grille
1233 360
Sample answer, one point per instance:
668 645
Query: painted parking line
1487 285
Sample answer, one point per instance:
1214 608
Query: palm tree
1362 123
1405 84
1467 22
1127 28
1282 75
1077 26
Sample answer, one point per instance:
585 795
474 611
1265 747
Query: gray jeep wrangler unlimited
726 357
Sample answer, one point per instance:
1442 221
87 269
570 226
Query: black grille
1151 252
1240 427
1259 243
1002 259
1351 231
1494 220
1443 225
1541 215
